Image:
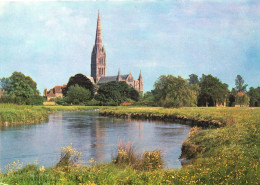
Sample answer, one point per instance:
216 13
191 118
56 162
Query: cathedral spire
98 55
140 76
118 76
98 41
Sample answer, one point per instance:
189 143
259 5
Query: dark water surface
93 135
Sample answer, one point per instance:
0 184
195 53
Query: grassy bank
27 114
70 108
225 155
22 114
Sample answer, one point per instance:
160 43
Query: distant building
98 65
98 70
55 92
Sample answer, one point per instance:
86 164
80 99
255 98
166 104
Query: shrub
68 157
35 100
152 160
126 155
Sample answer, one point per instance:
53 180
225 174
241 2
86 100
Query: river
93 135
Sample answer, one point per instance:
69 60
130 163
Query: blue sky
51 41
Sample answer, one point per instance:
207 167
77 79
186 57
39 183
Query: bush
126 155
152 160
35 100
69 157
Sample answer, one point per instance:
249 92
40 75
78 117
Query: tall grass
20 114
127 156
70 108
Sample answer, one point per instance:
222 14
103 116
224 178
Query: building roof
107 79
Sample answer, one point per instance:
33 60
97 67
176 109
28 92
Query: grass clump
69 157
127 156
22 114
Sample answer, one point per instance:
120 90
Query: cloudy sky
51 41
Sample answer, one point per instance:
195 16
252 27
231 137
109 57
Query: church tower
98 55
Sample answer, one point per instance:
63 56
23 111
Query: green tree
148 99
80 80
242 99
77 95
114 93
19 88
254 95
212 91
193 79
170 91
232 98
240 86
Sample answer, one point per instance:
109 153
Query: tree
82 81
77 95
212 91
193 79
240 87
254 95
115 93
242 99
232 98
19 88
171 91
148 99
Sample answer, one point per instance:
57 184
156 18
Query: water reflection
95 136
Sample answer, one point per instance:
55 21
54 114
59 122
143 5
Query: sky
52 40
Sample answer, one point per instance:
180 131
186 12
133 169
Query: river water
94 135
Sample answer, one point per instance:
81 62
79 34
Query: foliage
193 79
232 98
147 99
242 99
127 156
228 155
240 87
69 108
60 101
114 93
77 95
170 91
212 91
21 114
35 100
254 94
69 157
20 89
82 81
11 168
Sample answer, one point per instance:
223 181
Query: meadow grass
70 108
27 114
22 114
225 155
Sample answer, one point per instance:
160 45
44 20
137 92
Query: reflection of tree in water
98 133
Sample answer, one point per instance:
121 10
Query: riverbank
11 114
225 155
22 114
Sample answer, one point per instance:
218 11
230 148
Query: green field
225 155
22 114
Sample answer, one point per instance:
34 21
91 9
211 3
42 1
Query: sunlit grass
21 114
225 155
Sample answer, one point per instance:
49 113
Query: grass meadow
225 155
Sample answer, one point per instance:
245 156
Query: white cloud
2 5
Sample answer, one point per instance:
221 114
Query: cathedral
98 65
98 70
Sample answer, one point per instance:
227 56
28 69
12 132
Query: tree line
168 91
171 91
